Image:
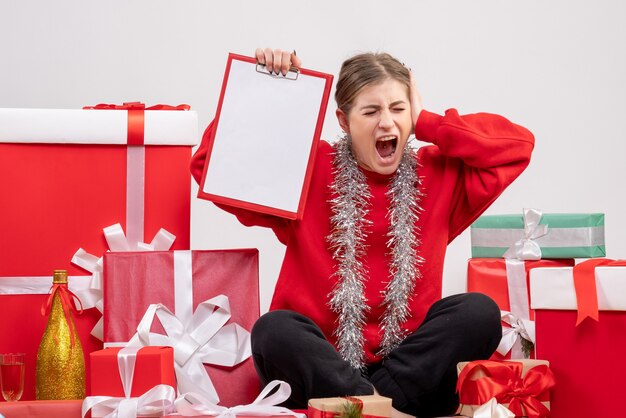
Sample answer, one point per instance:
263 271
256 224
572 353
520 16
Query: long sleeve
245 217
488 151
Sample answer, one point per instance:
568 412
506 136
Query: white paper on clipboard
264 136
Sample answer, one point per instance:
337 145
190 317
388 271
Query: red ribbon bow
136 117
66 296
503 381
585 286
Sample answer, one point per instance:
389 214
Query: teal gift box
553 235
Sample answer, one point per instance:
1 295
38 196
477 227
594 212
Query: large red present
183 288
66 175
587 359
506 282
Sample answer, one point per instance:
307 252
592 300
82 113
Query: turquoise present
552 235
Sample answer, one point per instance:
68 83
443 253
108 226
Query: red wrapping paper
154 366
587 361
56 198
42 409
488 276
133 281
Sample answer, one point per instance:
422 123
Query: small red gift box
587 359
66 175
180 281
523 386
496 277
153 366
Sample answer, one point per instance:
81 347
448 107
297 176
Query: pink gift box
134 281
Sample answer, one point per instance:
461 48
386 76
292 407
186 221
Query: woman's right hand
277 60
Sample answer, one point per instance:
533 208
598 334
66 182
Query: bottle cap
60 276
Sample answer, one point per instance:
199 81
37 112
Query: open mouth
386 146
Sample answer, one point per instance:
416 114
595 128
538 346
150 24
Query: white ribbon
158 399
526 248
492 409
202 339
117 241
156 402
193 404
510 341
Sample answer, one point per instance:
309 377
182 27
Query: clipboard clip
292 74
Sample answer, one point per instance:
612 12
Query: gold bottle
60 359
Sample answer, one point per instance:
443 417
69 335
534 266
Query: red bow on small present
503 381
136 116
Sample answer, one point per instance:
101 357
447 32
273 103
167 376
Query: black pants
419 375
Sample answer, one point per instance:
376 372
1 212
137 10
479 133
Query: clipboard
266 132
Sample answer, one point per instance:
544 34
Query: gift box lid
110 126
553 288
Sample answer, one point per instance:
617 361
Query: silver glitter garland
347 240
404 197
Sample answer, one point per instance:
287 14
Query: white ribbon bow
117 241
492 409
157 401
193 404
203 339
524 328
527 248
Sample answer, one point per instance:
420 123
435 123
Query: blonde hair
366 69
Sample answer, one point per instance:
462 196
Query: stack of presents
105 194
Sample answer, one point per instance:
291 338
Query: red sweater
472 160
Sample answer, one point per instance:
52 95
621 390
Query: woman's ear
343 121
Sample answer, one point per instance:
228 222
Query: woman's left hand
416 101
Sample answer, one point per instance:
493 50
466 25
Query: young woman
357 306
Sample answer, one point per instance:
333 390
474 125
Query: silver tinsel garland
347 240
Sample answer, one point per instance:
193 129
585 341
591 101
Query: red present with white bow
130 372
131 381
205 302
506 282
67 175
581 330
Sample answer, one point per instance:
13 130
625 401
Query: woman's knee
279 328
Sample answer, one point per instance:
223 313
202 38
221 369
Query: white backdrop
557 67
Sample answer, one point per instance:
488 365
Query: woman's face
379 123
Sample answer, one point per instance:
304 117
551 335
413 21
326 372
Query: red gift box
587 359
64 179
134 281
490 276
153 366
523 386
